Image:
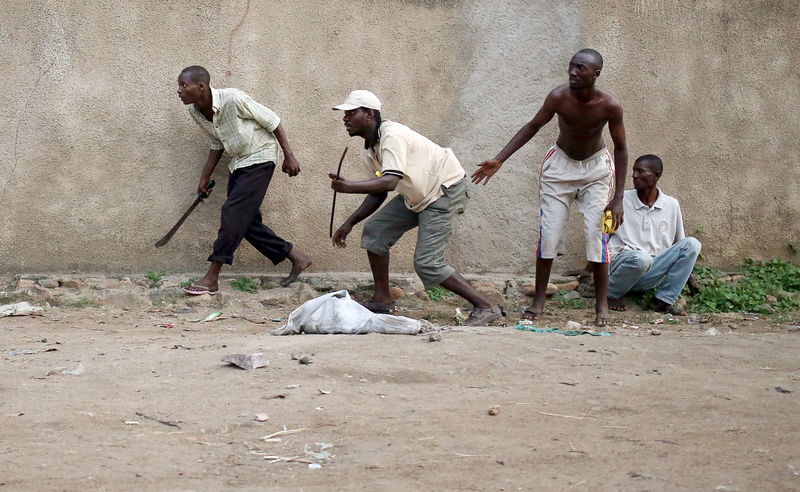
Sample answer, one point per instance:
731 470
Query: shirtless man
578 168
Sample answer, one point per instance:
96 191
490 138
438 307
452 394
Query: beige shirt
423 166
649 229
241 126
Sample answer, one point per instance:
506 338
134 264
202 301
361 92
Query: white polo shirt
423 166
650 229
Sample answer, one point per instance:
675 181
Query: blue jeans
636 271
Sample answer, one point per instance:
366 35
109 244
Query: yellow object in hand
378 174
607 223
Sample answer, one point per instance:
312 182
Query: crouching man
432 191
650 250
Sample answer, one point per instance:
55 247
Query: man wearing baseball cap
432 191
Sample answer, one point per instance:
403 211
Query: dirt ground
152 407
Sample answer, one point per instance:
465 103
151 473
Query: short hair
653 160
598 58
196 73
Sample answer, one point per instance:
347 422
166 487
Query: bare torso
582 116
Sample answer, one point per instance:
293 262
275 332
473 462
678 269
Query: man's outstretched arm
617 130
486 169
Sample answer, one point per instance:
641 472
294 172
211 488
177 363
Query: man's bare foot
379 307
662 307
299 263
616 304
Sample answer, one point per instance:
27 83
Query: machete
200 196
333 206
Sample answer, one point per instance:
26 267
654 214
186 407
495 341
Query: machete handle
209 186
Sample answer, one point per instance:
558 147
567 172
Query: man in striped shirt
250 133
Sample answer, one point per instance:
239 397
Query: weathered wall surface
99 157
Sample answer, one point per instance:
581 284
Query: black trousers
241 217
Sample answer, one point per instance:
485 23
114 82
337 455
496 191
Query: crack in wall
228 71
20 119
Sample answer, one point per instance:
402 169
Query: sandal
199 290
531 315
483 316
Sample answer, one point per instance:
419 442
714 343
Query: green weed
12 297
245 284
188 282
776 278
438 293
569 303
154 278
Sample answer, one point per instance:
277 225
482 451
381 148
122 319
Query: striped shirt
241 126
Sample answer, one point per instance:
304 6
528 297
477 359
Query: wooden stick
559 415
333 207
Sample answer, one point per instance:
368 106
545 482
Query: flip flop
199 290
531 315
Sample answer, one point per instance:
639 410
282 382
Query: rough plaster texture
100 157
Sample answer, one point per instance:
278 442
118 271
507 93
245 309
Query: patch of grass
438 293
188 282
154 278
12 297
568 303
776 278
245 284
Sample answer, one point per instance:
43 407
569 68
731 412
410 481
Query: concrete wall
99 157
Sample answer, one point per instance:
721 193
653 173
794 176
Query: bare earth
155 408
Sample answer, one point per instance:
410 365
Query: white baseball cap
360 99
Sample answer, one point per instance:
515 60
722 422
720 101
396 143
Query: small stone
573 325
736 278
768 298
247 361
100 283
572 295
119 298
527 288
585 290
261 417
711 332
551 290
25 283
655 332
396 293
48 283
320 285
201 300
767 308
42 293
434 337
70 283
568 286
494 410
421 294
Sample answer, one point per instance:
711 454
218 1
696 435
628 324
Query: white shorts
564 180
